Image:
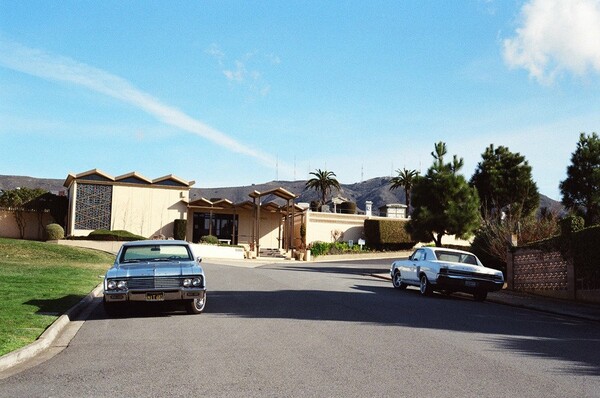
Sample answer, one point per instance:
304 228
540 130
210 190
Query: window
156 253
222 226
92 207
419 255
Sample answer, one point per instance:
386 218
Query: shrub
55 232
318 248
210 239
347 208
315 205
303 235
388 235
571 224
118 235
179 229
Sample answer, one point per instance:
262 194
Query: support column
510 273
258 228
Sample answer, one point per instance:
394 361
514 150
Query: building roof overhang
279 192
224 204
96 175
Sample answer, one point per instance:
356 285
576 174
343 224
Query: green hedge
319 248
388 235
118 235
179 229
586 253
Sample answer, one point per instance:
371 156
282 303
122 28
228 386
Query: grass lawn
39 282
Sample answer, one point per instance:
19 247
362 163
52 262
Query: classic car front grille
473 275
153 283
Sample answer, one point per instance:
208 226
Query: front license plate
155 296
470 284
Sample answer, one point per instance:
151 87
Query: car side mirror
199 259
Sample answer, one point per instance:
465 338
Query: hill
375 189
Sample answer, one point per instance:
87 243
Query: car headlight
187 282
111 285
197 282
122 285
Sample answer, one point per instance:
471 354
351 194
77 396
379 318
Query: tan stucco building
149 208
267 220
128 202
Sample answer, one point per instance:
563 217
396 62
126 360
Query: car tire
195 306
424 286
480 295
397 281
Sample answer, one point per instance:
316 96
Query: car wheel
397 281
424 286
196 306
480 295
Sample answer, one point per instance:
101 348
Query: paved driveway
321 329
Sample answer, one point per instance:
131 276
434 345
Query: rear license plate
470 284
155 296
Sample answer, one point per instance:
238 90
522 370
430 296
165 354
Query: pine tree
581 189
443 201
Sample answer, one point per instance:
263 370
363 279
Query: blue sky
238 92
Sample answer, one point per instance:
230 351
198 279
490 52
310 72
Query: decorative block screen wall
534 269
93 206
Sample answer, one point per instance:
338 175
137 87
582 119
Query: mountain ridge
375 189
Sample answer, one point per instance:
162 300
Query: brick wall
547 274
535 270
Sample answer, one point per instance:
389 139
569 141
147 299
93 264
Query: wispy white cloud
245 71
53 67
237 75
274 59
215 51
556 36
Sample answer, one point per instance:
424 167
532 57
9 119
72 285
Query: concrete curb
49 336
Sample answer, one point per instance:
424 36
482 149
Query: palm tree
323 181
405 178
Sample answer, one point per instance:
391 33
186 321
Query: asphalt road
320 329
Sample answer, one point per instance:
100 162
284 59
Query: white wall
147 211
320 227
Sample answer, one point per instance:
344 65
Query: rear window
155 253
452 257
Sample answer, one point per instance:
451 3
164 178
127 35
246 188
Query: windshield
453 257
155 253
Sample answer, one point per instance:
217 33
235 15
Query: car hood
155 269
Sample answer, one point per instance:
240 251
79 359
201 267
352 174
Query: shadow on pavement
513 329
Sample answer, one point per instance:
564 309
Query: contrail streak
60 68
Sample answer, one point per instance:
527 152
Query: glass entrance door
222 226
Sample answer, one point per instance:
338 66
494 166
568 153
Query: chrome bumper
168 295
